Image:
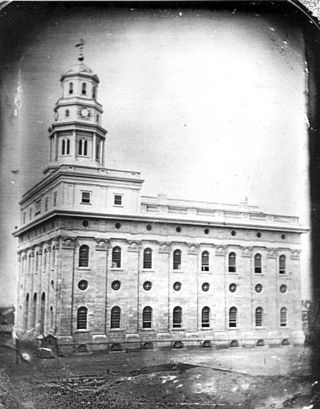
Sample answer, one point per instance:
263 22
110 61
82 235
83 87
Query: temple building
103 267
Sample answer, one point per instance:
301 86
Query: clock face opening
84 113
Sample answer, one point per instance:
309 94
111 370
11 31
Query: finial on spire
80 44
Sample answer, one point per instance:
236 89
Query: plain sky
208 105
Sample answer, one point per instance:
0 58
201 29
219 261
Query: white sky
208 106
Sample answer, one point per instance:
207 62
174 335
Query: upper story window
82 315
147 317
65 146
233 317
177 260
232 259
85 197
257 263
70 88
94 92
282 264
24 215
84 256
38 207
205 261
147 258
55 196
83 147
117 200
67 112
116 257
84 88
98 147
30 213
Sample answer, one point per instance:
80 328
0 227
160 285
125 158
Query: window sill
85 203
232 328
116 330
84 268
259 328
82 331
117 205
177 329
233 272
116 269
147 270
147 329
177 271
205 328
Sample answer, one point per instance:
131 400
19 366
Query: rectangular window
55 196
118 200
46 203
30 213
85 197
38 207
24 217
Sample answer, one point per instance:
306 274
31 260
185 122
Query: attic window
85 197
117 200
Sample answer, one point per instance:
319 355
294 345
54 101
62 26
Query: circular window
259 234
177 286
85 223
147 285
258 288
178 229
149 227
206 231
117 225
83 284
283 288
116 285
283 236
232 287
233 233
205 286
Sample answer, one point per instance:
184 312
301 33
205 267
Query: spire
80 45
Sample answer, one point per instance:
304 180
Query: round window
149 227
116 285
206 231
205 286
177 286
259 234
178 229
233 233
258 288
117 225
283 236
85 223
232 287
147 285
83 284
283 288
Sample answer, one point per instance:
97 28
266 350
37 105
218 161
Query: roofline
159 219
72 124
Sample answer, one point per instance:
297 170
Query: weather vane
80 45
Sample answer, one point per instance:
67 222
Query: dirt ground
256 378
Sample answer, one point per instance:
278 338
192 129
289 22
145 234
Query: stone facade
102 267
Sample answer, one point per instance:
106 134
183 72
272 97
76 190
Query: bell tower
76 135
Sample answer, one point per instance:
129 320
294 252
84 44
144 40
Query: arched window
177 317
177 260
84 88
37 261
115 317
205 261
26 312
94 92
68 146
282 264
205 317
42 312
84 256
67 112
34 311
283 317
63 147
232 258
83 147
116 257
70 87
51 317
147 258
258 317
45 260
233 317
29 263
257 263
80 147
82 315
147 317
98 149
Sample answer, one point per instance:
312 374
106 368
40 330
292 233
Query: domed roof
79 69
